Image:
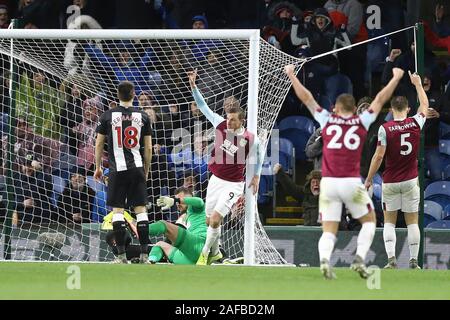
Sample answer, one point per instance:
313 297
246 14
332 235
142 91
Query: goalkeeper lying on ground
186 243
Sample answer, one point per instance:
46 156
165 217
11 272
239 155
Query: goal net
54 88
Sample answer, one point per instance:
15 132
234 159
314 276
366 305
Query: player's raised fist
165 202
415 78
289 69
398 73
192 78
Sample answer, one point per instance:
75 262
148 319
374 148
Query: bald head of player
399 106
235 117
125 92
345 105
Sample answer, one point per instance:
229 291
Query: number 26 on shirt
350 141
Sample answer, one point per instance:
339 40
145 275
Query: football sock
215 245
211 236
326 245
413 240
365 239
119 229
390 239
156 254
142 229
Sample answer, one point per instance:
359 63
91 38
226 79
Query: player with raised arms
232 146
398 143
343 135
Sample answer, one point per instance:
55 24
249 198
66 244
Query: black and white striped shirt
125 129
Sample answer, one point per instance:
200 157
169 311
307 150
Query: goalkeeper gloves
166 202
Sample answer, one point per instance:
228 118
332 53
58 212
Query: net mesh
60 87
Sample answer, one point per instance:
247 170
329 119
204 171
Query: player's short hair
347 101
125 91
399 103
183 190
238 110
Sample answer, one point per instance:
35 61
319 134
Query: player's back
402 141
125 129
343 140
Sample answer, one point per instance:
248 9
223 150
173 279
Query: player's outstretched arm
375 164
423 99
377 158
386 93
213 117
302 93
99 145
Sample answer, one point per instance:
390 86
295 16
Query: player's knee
370 217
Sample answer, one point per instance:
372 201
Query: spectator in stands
42 14
307 195
85 132
71 113
4 17
371 142
125 67
200 158
33 189
431 128
75 203
39 103
263 12
349 14
435 40
200 48
173 74
441 24
196 122
318 37
45 150
405 61
313 149
211 79
278 29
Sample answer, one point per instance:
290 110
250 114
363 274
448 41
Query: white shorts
403 196
221 195
337 191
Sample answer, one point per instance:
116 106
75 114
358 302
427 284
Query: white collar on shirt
238 132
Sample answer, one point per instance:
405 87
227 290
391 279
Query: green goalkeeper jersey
195 216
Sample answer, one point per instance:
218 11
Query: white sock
326 245
365 239
215 245
390 239
211 237
413 240
118 217
141 217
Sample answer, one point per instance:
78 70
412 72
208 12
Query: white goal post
261 86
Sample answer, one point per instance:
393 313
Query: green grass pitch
163 282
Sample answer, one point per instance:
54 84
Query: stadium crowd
56 120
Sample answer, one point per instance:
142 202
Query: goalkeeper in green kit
186 243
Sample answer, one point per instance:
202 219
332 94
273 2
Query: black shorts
127 187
